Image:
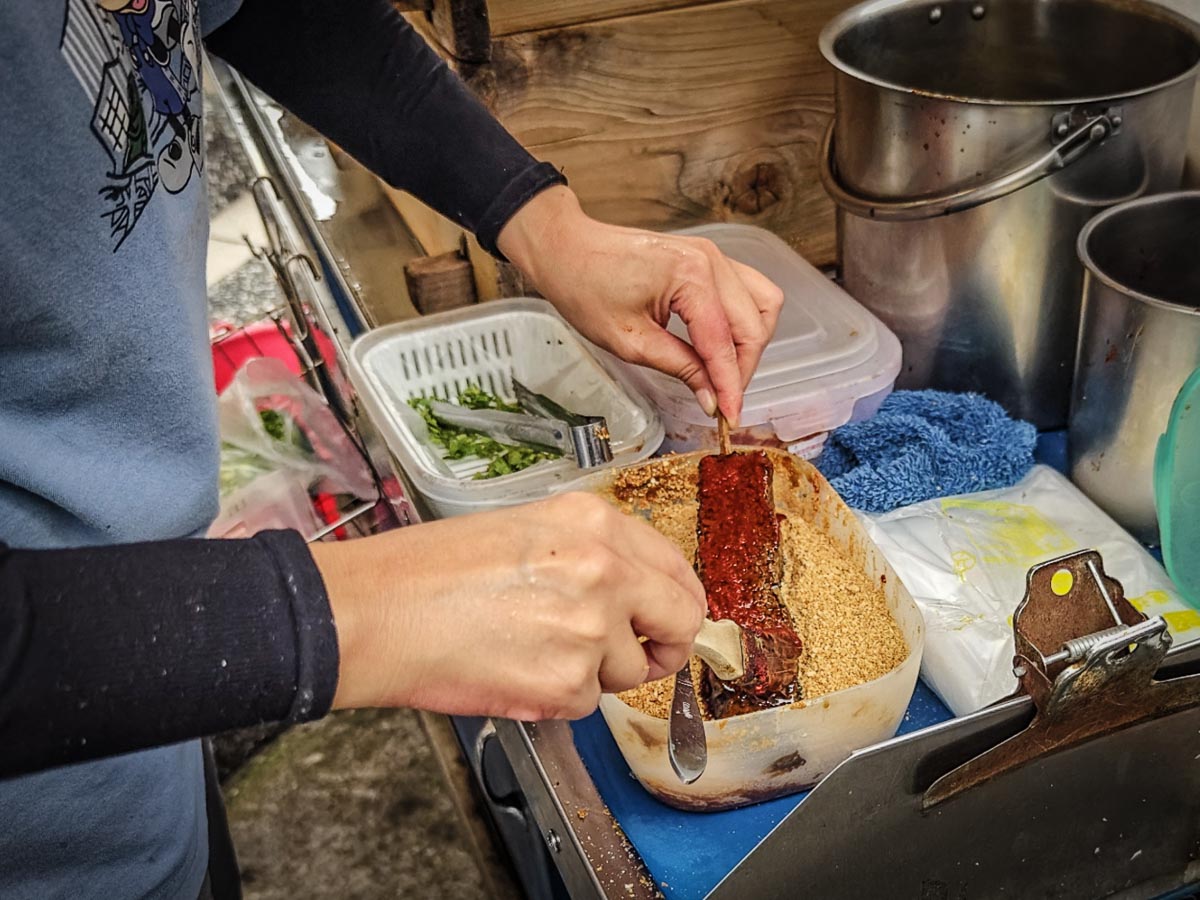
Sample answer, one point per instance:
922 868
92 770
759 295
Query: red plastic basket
233 346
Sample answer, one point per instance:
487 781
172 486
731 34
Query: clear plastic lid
828 351
1177 490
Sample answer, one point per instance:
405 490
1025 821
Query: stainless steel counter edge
585 841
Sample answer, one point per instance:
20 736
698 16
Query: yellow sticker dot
1061 582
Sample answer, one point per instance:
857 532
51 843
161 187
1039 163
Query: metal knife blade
686 743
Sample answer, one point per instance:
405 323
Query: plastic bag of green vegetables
240 467
459 443
270 420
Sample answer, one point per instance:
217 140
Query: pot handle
1094 131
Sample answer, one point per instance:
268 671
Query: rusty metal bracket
1087 658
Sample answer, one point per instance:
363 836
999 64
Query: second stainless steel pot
1138 344
972 140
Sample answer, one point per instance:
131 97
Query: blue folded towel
926 444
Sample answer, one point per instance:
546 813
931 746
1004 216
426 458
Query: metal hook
294 297
266 204
308 264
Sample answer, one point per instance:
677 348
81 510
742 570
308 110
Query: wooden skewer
723 435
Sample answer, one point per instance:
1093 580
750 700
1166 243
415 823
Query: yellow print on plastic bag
1160 603
1001 533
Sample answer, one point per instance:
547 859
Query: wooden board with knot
663 114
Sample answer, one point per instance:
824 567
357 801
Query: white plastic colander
488 345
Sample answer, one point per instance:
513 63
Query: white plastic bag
274 500
964 559
313 446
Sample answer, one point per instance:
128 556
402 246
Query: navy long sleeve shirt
109 649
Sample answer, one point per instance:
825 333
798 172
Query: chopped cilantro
272 420
503 459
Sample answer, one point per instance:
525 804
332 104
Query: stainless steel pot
1138 343
972 140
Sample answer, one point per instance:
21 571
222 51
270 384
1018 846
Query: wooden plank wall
679 114
513 16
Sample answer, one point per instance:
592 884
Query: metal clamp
1072 145
1088 660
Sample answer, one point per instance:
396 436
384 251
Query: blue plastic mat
688 853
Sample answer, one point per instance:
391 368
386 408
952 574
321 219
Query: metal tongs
544 423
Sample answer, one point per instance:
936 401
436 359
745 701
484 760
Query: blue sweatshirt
107 414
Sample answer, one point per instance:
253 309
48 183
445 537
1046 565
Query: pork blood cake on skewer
740 563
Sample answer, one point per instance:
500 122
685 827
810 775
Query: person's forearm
112 649
358 73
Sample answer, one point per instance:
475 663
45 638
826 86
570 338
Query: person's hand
527 613
619 286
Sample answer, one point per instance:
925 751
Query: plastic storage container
488 345
830 362
774 752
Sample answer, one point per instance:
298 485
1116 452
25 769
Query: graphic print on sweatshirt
139 62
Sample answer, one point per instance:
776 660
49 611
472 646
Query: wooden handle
720 645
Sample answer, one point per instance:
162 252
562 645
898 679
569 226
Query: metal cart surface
1114 815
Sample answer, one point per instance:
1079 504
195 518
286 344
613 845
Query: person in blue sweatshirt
108 435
